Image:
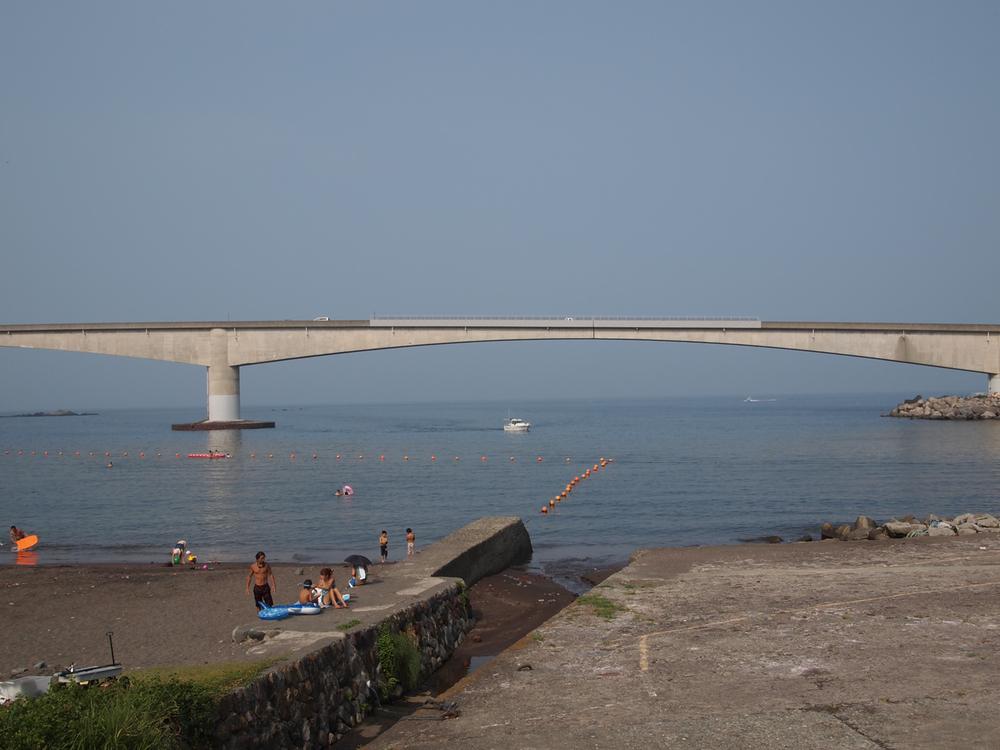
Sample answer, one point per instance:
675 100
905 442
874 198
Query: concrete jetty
481 548
878 645
332 668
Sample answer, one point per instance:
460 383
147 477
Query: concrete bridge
224 347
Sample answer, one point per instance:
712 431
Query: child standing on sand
411 538
383 544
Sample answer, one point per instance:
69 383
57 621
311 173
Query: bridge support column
993 386
223 381
223 393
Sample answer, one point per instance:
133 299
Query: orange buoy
552 503
545 509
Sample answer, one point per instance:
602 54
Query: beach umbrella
358 560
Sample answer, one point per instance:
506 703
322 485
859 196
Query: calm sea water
684 472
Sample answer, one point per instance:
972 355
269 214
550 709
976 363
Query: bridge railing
566 321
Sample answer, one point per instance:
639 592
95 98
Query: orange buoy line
574 482
293 456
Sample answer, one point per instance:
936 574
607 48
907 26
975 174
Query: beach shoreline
164 616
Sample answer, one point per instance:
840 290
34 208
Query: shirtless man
263 578
411 539
16 535
383 544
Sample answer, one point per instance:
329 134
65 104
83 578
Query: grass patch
348 625
398 659
217 679
173 708
143 716
602 606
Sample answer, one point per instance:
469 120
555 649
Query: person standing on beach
263 578
411 539
383 544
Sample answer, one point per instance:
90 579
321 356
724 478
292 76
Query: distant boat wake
750 400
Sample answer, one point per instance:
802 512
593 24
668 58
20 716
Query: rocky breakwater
865 528
949 407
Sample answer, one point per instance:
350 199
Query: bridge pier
993 385
223 393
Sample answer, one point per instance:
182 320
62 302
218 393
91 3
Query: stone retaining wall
311 702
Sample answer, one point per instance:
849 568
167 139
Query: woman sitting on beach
326 593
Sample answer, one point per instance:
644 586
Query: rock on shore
864 528
949 407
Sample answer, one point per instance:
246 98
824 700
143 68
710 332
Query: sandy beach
164 616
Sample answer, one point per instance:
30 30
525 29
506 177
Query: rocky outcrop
949 407
865 528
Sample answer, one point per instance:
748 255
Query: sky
249 161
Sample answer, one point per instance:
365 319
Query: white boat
514 424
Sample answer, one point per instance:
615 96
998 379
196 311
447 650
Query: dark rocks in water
56 413
954 408
772 539
864 522
865 528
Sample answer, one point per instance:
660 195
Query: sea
671 472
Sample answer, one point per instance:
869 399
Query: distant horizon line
505 403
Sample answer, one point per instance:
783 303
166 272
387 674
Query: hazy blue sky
786 160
